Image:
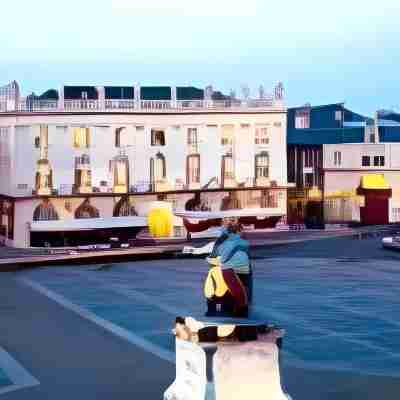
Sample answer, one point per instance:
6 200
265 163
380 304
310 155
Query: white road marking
107 325
16 373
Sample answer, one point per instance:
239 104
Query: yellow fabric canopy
374 181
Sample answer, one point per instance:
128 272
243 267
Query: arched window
45 212
158 170
262 165
44 177
193 169
124 208
86 210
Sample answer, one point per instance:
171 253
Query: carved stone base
227 371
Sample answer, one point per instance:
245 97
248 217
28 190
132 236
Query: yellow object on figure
160 222
215 284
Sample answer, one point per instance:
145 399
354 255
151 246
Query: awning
374 181
87 224
245 212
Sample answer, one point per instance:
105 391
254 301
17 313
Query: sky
323 52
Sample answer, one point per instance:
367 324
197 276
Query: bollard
242 365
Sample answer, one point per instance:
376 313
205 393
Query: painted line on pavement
107 325
17 374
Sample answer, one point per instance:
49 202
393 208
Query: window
82 172
379 161
192 136
227 135
261 136
44 141
44 177
309 180
81 137
269 199
84 95
338 115
45 212
302 119
193 169
372 138
121 137
158 170
86 210
119 170
228 167
366 161
124 208
192 140
157 137
337 155
262 165
308 158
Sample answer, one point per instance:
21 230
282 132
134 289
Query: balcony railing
136 105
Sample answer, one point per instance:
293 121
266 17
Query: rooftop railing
107 105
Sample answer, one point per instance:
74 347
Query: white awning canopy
87 224
260 213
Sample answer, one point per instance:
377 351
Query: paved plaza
103 331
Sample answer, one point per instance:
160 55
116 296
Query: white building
110 151
362 182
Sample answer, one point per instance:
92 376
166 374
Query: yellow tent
374 181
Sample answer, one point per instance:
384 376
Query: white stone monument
228 369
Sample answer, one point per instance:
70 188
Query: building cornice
361 170
111 194
141 113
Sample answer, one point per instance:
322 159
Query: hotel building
84 154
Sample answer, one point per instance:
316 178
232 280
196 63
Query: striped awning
87 224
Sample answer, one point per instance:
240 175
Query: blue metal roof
389 134
325 136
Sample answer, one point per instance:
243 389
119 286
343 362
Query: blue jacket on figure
234 253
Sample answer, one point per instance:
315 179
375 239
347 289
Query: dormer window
84 95
157 137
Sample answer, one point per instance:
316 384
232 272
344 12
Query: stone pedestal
227 370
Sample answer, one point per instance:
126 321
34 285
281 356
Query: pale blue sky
323 51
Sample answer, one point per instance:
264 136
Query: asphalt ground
339 294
